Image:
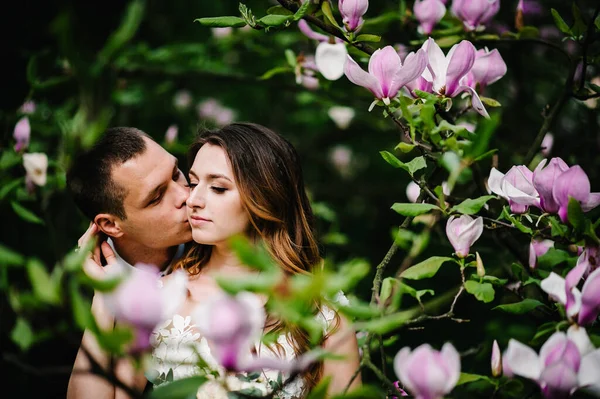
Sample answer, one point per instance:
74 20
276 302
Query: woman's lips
197 220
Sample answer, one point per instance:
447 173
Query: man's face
154 202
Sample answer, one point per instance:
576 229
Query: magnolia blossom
36 167
182 99
564 364
341 158
488 68
428 13
341 116
140 301
547 143
516 187
580 306
305 72
329 57
496 360
402 391
413 190
28 107
427 373
221 33
462 232
444 72
538 248
352 12
544 179
171 134
22 133
212 109
475 14
574 183
387 74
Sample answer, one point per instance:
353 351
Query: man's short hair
89 180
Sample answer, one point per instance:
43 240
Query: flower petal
475 101
330 59
311 34
460 61
414 65
554 285
522 360
588 372
359 77
495 182
384 64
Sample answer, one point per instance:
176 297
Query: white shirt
167 270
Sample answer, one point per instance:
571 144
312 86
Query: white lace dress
178 348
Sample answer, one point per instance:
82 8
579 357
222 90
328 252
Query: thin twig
585 45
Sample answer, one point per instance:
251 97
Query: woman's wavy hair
268 175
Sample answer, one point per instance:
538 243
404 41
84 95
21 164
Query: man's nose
182 194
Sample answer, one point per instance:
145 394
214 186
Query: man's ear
109 224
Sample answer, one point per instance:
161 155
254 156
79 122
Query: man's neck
132 253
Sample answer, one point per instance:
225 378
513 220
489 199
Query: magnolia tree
431 84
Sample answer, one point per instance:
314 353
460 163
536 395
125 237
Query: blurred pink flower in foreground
36 167
171 134
428 13
140 301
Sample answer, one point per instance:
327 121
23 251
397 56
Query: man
134 193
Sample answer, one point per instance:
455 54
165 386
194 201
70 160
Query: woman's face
214 207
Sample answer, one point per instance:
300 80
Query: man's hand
92 265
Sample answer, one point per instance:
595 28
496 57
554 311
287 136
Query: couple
243 179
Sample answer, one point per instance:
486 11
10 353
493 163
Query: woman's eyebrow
211 176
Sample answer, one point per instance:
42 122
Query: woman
246 179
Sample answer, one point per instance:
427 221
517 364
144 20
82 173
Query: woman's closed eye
218 190
192 185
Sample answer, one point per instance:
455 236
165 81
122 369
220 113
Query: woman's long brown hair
268 175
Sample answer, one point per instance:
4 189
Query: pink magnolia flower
561 367
182 99
233 326
427 373
341 116
444 72
489 67
387 74
462 232
475 14
544 179
329 57
538 248
22 133
516 187
574 183
213 110
171 134
547 143
402 392
352 12
140 301
28 107
36 167
496 361
428 13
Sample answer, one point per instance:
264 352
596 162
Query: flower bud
480 268
496 360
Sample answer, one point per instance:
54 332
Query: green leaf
411 167
41 282
448 41
9 159
359 310
7 188
490 102
405 147
80 306
483 134
557 228
409 209
290 57
471 206
252 255
415 164
274 20
465 378
279 10
426 96
529 32
22 334
392 160
25 213
427 268
387 324
484 292
553 258
516 222
184 388
526 305
222 22
262 282
560 22
320 391
367 38
485 155
575 214
579 26
326 8
302 10
10 257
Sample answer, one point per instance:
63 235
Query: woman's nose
196 199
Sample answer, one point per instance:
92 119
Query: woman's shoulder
327 314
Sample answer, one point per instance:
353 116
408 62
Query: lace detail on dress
177 346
